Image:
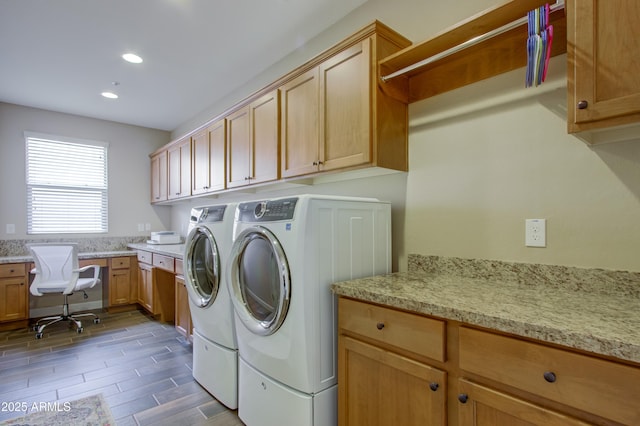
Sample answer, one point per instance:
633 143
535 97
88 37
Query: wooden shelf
488 58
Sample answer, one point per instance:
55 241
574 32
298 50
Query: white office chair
57 271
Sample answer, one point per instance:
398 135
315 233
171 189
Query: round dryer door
259 280
202 270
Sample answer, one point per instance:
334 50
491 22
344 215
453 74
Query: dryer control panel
208 214
267 210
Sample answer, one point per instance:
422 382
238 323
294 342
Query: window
66 185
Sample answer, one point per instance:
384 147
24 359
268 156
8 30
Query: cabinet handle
434 386
549 376
380 325
583 105
463 397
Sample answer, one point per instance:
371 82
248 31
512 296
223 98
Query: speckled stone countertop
173 250
588 309
81 256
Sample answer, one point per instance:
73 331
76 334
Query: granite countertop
81 256
173 250
601 322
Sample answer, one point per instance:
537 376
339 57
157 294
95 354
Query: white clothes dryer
286 254
215 347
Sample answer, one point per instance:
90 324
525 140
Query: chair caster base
38 335
80 330
96 320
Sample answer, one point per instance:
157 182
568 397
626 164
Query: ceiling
60 55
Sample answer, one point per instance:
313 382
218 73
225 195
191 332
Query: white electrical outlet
141 227
535 233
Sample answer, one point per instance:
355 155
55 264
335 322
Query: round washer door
260 283
202 266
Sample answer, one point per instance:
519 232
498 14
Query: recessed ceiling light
132 57
110 95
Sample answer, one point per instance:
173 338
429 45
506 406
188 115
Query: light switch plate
536 232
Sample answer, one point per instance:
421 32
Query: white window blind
66 186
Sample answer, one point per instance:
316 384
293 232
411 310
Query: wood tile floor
141 366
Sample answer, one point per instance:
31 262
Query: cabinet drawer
163 262
415 333
600 387
12 270
144 256
121 262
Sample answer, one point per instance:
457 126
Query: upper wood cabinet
335 117
603 41
253 141
159 177
328 114
179 169
300 134
208 167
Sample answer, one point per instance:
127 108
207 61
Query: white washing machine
215 348
286 254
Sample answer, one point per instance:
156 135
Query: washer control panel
267 210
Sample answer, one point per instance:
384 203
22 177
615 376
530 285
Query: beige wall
483 159
129 148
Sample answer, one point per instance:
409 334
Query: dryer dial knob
260 209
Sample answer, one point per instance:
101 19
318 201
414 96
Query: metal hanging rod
559 4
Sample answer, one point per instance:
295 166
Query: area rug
89 411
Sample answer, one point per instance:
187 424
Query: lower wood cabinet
14 292
396 367
156 284
122 286
145 287
378 383
183 314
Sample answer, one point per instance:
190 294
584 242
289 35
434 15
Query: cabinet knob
315 163
549 376
463 397
434 386
11 271
380 325
583 105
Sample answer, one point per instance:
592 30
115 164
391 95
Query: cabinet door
179 161
208 159
183 314
378 388
239 148
159 177
299 133
264 138
119 287
481 406
217 134
200 181
13 299
603 45
345 116
145 286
